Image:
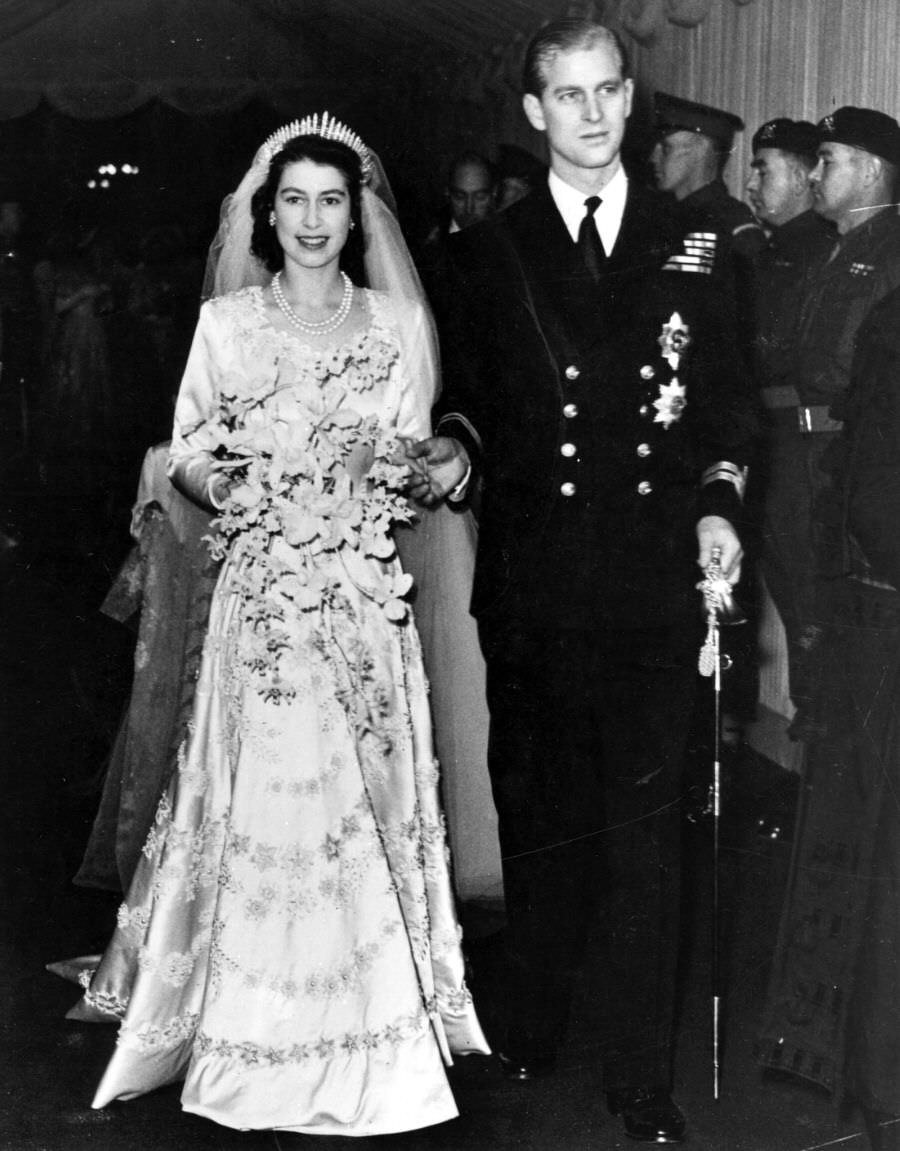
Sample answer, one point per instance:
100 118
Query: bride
288 945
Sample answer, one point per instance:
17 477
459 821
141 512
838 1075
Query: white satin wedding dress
289 945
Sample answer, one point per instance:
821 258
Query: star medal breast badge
671 401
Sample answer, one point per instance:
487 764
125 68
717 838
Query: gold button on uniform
643 409
567 489
644 450
648 372
570 411
572 373
568 450
644 488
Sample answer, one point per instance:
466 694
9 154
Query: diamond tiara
325 126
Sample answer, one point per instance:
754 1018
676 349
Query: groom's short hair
567 34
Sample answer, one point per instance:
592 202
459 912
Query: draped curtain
757 58
797 58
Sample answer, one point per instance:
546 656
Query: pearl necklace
312 327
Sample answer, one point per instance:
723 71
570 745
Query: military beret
797 136
865 128
674 114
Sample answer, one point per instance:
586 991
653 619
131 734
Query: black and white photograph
449 575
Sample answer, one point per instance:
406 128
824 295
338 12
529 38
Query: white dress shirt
608 217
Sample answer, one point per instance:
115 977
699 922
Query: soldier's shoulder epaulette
698 254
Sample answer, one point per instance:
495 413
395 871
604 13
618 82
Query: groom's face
583 109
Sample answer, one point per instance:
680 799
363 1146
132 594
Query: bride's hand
438 464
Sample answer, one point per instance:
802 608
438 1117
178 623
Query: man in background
780 192
694 142
471 191
470 196
854 189
693 145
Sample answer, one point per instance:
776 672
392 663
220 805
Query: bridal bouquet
311 480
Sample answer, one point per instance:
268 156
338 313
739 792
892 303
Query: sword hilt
717 592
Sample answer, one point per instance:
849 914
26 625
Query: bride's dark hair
264 241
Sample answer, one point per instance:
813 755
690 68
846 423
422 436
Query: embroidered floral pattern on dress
309 474
307 788
456 1002
446 941
193 773
346 978
136 919
254 1055
163 815
191 858
257 909
150 1037
297 861
175 968
106 1002
428 772
294 883
321 984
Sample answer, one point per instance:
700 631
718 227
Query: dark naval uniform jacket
604 419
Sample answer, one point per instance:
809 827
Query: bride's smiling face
312 213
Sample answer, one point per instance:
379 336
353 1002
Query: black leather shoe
526 1067
648 1114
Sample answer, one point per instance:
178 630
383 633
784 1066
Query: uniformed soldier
781 194
694 142
591 383
832 1015
854 185
688 160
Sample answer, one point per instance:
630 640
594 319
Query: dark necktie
589 241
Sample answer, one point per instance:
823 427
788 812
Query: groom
593 393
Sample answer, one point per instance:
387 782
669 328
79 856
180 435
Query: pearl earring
271 219
352 225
